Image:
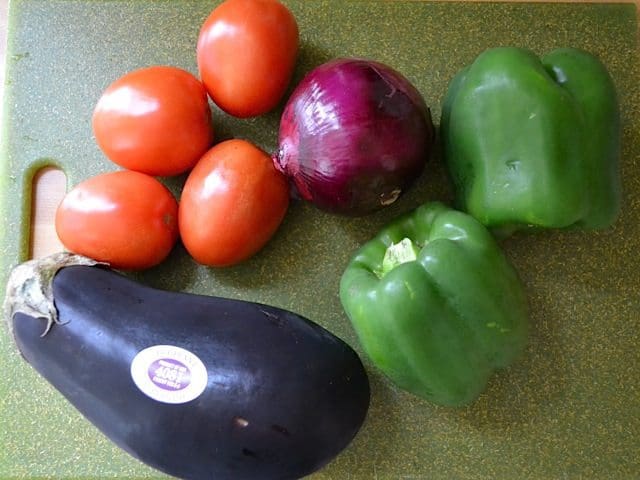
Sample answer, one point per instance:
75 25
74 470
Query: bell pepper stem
398 253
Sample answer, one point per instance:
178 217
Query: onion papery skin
354 135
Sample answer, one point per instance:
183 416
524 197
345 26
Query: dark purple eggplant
197 387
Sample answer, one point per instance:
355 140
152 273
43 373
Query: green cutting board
569 409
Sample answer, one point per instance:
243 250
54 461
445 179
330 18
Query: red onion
354 135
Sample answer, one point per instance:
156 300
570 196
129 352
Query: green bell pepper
436 305
534 142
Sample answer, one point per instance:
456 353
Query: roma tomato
246 54
154 120
126 219
232 203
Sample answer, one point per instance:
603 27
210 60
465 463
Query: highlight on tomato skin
232 203
246 54
124 218
155 120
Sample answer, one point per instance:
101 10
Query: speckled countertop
569 409
4 7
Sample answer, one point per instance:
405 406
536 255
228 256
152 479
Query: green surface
569 409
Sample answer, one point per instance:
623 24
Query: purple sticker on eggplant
169 374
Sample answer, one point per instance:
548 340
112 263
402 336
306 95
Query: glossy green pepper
534 142
436 304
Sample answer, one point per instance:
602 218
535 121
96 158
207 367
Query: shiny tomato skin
125 218
154 120
246 55
232 203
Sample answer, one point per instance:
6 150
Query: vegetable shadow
298 252
177 273
310 56
526 392
302 258
262 130
433 184
380 436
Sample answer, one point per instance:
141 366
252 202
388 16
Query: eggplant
195 386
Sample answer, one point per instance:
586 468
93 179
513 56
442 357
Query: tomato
246 54
232 203
124 218
154 120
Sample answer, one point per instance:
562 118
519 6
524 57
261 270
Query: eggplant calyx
30 291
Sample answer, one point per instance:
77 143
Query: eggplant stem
30 288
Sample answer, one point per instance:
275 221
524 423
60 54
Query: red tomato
125 218
232 203
246 55
155 120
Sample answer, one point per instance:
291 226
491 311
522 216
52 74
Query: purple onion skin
354 135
